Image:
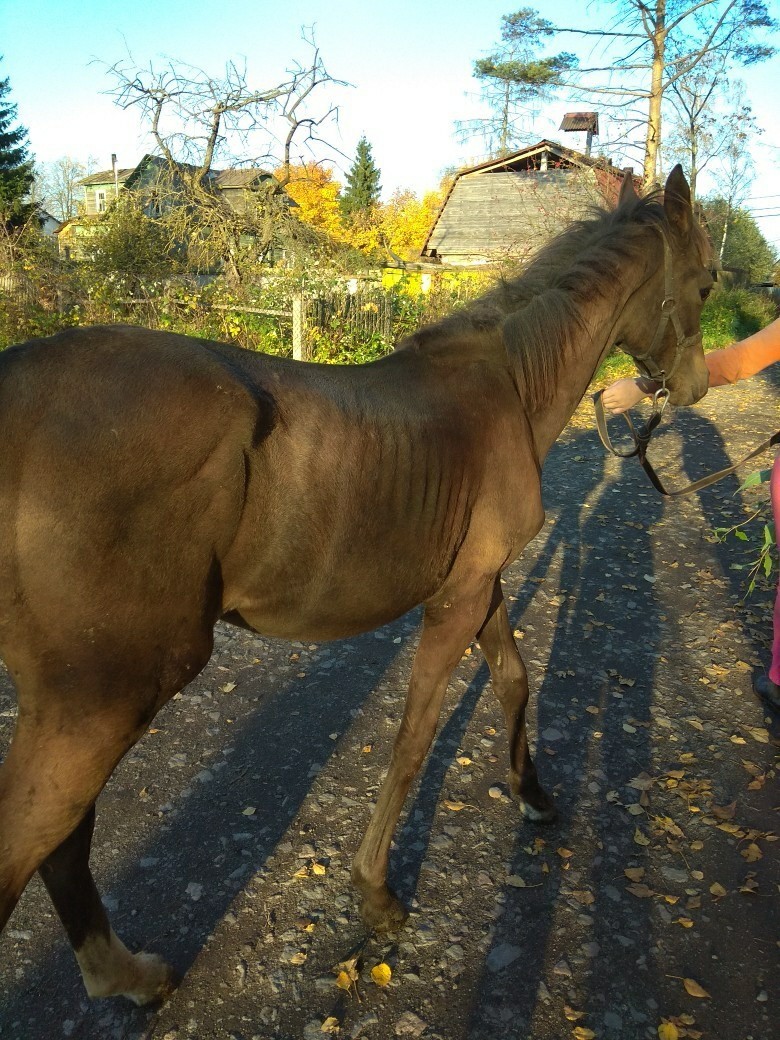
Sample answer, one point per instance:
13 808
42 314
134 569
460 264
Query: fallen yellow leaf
343 981
330 1025
381 974
318 869
758 733
634 873
454 806
751 853
641 891
693 989
571 1014
582 1032
584 897
668 1031
717 890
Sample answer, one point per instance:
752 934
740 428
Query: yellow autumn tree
363 231
316 194
406 221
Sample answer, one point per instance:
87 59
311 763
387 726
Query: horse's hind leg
59 761
448 628
107 966
510 681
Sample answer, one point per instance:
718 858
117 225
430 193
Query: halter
641 435
668 313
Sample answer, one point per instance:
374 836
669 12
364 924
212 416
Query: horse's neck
579 367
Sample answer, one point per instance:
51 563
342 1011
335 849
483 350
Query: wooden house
505 209
156 184
100 190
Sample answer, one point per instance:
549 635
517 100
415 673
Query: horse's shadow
574 921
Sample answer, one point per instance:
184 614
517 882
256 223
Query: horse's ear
677 201
627 192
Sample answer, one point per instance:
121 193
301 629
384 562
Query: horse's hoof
155 982
383 914
109 969
537 807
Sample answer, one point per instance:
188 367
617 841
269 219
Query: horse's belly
317 603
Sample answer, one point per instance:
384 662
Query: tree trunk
653 136
726 223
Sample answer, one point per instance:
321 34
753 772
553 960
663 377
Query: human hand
622 395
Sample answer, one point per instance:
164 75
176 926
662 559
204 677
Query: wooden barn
505 209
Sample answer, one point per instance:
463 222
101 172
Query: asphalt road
224 839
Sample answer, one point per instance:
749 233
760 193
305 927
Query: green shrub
733 314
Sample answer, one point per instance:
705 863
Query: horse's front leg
510 681
448 628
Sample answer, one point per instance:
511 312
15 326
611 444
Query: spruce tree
16 166
363 188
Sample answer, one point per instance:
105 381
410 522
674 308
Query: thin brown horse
151 484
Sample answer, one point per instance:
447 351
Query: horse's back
149 474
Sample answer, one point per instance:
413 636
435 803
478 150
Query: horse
152 484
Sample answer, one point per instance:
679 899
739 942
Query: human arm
742 360
738 361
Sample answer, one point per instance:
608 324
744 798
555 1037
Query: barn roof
608 178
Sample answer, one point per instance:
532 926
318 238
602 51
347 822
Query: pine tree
16 166
363 187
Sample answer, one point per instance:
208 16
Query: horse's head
660 324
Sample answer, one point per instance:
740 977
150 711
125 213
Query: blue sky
409 63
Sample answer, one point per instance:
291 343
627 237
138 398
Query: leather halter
668 313
641 435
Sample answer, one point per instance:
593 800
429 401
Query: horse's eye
704 293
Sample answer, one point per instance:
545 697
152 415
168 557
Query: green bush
733 314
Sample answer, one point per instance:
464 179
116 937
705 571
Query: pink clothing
774 489
739 361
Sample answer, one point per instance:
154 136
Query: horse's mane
540 311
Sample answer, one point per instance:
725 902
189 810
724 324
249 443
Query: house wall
490 217
92 196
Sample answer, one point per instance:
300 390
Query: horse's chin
682 397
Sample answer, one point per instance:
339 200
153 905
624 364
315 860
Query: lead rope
642 436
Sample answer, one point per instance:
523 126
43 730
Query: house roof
106 177
239 178
580 121
608 177
525 156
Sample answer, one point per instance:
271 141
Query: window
100 201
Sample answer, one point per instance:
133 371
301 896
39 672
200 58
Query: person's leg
769 688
